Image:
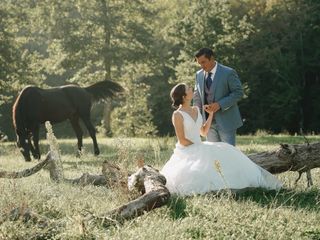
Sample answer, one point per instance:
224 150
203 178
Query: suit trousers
215 135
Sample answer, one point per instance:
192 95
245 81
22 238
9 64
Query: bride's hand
208 108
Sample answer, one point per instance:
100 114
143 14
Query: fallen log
146 180
151 183
111 175
26 172
289 157
294 157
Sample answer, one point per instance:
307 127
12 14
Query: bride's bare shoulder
177 118
177 113
195 108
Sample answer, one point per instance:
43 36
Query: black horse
34 106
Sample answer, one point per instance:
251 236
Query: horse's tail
103 90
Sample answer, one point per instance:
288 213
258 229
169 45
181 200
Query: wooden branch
88 179
26 172
111 175
147 180
293 157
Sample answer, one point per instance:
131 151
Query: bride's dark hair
177 93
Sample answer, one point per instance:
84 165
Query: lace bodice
191 126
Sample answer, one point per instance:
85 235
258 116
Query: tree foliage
133 117
147 46
281 69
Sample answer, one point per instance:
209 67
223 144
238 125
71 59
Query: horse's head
22 143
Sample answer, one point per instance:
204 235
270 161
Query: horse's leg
77 129
92 133
32 149
24 147
35 133
29 142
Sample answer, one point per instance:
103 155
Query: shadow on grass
312 234
177 206
68 148
275 139
106 153
74 165
308 200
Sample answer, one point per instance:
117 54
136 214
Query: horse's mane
15 110
16 116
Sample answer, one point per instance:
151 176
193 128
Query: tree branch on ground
26 172
290 157
148 181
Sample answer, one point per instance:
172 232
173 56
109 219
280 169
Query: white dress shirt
213 72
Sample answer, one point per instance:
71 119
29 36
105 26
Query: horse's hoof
96 152
78 154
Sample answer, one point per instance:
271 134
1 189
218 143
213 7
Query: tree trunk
107 54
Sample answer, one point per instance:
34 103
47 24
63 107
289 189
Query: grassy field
292 213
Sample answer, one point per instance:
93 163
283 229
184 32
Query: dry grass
292 213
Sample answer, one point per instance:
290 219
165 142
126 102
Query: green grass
292 213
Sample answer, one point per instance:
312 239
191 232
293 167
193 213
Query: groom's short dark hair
207 52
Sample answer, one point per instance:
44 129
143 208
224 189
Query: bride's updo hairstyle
177 93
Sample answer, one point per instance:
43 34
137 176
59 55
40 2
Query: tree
133 117
279 67
14 62
99 39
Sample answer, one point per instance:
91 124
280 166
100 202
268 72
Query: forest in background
148 46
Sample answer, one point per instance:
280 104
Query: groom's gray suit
225 89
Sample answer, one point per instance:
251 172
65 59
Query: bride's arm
206 126
177 121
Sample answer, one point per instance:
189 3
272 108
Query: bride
198 167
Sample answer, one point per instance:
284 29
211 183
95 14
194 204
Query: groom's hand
215 107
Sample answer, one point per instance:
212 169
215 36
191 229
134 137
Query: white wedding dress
206 166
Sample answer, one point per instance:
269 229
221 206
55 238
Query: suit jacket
227 91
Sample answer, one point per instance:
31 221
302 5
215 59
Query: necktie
209 80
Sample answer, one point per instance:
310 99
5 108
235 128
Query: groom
219 87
